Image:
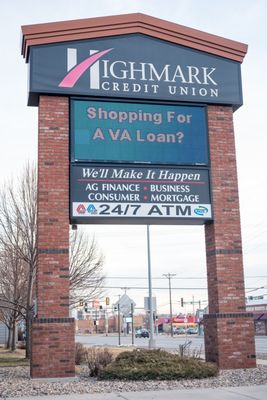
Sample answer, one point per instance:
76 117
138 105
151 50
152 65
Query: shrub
80 351
21 345
97 359
185 350
156 364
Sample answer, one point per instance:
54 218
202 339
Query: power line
154 288
179 277
159 288
256 276
145 278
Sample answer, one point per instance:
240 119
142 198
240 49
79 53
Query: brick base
229 340
53 348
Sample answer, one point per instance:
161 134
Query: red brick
224 253
51 341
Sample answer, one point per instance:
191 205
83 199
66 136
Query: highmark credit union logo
77 70
132 76
201 211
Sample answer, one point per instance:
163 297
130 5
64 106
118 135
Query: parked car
142 333
178 331
192 331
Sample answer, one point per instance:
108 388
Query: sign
96 304
178 320
147 304
125 303
255 297
123 194
133 66
136 132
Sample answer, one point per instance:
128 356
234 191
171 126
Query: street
162 341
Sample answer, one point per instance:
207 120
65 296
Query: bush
97 359
80 351
21 345
156 364
185 350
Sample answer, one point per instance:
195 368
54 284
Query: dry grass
12 358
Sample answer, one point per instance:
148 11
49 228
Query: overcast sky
179 250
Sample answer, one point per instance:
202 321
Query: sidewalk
227 393
261 362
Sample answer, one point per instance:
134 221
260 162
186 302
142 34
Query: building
258 306
3 334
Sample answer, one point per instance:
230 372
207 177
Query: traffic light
81 302
155 317
85 307
182 301
107 301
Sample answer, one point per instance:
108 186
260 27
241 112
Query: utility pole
125 289
119 324
132 312
119 320
169 276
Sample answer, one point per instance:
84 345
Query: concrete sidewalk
228 393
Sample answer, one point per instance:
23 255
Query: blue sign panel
136 132
133 66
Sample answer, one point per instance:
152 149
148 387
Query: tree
18 253
86 266
13 285
18 217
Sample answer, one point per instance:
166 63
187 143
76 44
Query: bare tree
18 247
13 289
86 268
18 231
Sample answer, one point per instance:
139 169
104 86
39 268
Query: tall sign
135 126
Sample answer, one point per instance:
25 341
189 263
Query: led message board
138 133
123 194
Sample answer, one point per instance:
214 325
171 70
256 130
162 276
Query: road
162 341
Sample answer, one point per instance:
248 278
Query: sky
178 250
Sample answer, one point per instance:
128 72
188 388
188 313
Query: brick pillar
52 329
229 329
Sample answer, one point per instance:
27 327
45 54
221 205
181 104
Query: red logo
81 209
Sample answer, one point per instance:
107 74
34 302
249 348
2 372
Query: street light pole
151 342
169 276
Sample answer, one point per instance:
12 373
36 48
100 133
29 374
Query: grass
13 359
